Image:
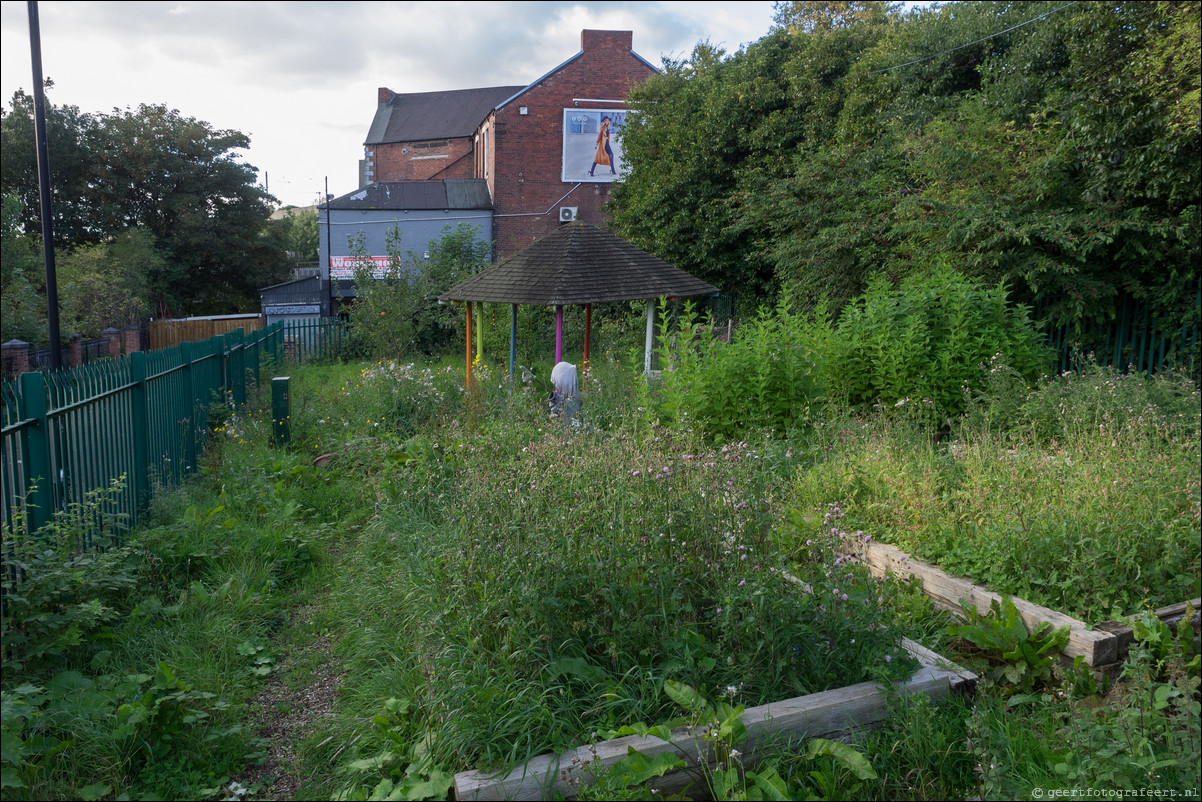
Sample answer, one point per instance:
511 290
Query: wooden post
588 327
468 379
650 336
558 334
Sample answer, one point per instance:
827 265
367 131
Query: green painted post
140 429
238 364
35 448
281 413
188 391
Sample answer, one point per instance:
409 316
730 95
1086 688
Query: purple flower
888 658
742 582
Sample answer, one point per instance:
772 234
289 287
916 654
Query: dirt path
284 716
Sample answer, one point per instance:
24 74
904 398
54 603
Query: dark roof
454 193
422 116
577 264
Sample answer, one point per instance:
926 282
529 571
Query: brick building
516 162
533 145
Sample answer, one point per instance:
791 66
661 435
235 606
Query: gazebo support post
468 379
650 336
513 338
588 327
558 334
480 330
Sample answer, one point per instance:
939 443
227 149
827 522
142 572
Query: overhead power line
978 41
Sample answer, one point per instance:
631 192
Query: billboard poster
592 144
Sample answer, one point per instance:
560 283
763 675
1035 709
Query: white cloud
300 78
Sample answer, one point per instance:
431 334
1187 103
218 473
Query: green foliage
1026 657
917 347
297 229
22 309
396 313
1053 148
836 769
61 584
157 171
106 285
406 763
770 377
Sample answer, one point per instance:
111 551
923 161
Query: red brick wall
400 161
526 151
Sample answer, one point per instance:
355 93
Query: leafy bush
60 584
771 376
918 346
397 313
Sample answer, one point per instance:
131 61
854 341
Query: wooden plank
1096 646
829 714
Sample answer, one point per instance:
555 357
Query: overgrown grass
1080 493
496 585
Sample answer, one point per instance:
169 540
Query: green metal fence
1132 340
141 421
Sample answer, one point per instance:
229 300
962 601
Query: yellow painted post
480 330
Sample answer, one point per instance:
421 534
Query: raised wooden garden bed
1101 647
829 714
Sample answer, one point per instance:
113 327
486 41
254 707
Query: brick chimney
617 40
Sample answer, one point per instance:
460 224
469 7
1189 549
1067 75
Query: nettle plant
917 347
770 376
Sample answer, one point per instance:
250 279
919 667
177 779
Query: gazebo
577 264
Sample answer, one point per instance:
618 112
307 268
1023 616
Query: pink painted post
558 334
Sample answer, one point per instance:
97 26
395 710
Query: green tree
296 230
72 139
108 284
22 299
808 17
152 169
396 311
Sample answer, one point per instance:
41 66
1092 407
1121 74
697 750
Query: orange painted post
468 306
588 328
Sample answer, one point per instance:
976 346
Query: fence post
35 447
140 429
238 366
281 412
189 393
16 356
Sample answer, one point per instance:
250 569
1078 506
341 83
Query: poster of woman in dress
592 144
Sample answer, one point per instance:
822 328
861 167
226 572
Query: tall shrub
769 376
920 345
396 312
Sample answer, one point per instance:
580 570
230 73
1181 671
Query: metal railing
141 420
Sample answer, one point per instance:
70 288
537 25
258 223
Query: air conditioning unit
567 213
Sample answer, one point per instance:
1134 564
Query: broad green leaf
844 754
685 696
95 791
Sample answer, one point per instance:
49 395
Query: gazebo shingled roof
577 264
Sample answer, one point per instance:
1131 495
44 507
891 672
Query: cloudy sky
301 78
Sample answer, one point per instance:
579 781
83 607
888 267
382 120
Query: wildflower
888 658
